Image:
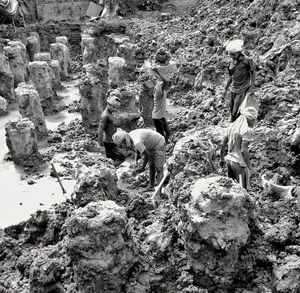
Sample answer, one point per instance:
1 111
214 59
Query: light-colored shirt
146 139
160 102
235 153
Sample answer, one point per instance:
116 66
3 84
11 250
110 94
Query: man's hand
102 150
224 94
251 91
137 171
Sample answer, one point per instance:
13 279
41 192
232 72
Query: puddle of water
70 93
52 121
19 199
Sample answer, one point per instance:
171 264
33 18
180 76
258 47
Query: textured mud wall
61 10
184 4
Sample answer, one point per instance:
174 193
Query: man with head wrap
107 129
238 136
241 72
159 113
151 145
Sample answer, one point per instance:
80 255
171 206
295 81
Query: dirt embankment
208 234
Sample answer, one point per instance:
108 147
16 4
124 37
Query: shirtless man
107 130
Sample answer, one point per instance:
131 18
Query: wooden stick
241 180
160 184
56 175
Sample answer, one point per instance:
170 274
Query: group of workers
151 145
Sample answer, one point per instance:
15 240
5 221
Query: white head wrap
234 46
114 101
120 136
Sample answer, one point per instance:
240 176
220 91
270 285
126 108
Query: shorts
113 152
234 171
158 157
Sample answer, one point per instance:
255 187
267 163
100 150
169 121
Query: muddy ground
207 234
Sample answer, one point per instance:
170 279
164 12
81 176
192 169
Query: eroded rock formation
30 107
41 77
22 142
99 247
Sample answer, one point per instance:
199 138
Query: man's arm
246 155
146 157
158 90
223 149
252 76
228 83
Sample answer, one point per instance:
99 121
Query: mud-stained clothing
236 164
111 149
159 113
240 72
153 142
160 102
235 171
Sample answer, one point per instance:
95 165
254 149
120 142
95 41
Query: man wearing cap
106 127
238 137
241 72
151 145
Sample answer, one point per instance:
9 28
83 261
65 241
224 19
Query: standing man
106 127
238 137
241 77
159 113
151 145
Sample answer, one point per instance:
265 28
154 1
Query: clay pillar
16 63
99 247
116 71
41 77
54 68
93 96
23 50
146 101
88 48
32 46
61 53
64 40
21 140
30 107
56 79
6 80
